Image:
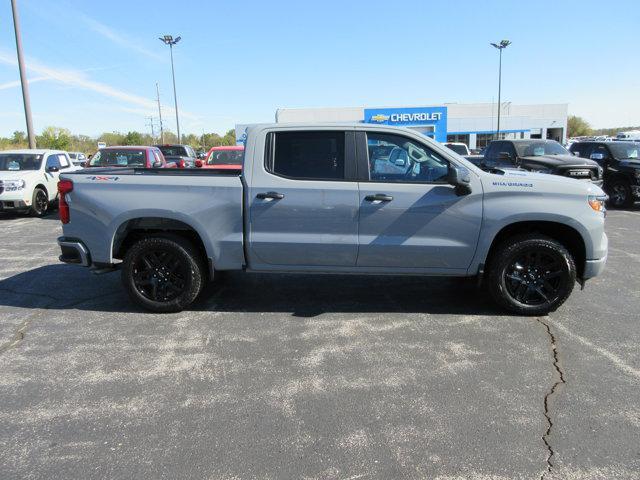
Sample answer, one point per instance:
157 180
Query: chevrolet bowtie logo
380 118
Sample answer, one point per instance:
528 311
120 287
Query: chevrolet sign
380 118
416 117
433 118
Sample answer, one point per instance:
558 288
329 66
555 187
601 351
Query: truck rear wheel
531 274
163 273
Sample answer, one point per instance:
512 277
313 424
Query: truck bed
105 202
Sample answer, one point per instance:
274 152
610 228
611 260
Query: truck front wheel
163 273
39 203
531 274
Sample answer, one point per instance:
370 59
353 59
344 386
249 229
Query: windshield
538 149
173 151
459 149
225 157
20 161
119 158
625 150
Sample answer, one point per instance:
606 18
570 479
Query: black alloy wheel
40 203
531 274
159 275
164 272
619 194
534 277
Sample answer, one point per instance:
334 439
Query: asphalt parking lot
328 377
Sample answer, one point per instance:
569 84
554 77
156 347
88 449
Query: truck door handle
381 197
271 195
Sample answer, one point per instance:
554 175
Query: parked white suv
29 178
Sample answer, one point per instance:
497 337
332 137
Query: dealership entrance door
428 130
555 134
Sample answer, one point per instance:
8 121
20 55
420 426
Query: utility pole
23 76
160 113
501 46
169 40
151 125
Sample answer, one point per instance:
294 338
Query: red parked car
131 157
223 158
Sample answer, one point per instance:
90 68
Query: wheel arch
137 228
568 236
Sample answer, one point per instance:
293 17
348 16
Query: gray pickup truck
336 198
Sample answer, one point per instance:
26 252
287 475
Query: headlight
597 202
13 185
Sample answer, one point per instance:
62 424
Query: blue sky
93 64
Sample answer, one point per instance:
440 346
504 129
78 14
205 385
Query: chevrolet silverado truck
336 198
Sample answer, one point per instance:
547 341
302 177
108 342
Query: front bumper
74 251
11 205
594 267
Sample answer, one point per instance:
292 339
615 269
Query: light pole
169 40
23 76
500 46
160 114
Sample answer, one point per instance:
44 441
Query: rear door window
308 155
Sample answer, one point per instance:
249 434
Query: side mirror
576 153
157 164
400 162
460 178
198 163
597 156
53 169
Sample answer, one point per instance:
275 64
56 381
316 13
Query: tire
620 194
531 274
39 203
163 273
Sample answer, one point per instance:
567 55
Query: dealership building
474 124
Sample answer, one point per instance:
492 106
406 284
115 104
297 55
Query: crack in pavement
20 332
560 380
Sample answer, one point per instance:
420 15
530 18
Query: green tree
111 138
56 138
19 138
578 127
133 138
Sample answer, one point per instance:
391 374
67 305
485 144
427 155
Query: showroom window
316 155
483 139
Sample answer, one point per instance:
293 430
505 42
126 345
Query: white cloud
79 79
16 83
118 38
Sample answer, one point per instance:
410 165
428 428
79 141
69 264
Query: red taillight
182 164
64 187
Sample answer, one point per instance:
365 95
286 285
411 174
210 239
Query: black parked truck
621 164
535 155
183 155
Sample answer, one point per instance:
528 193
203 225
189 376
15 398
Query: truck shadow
63 287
